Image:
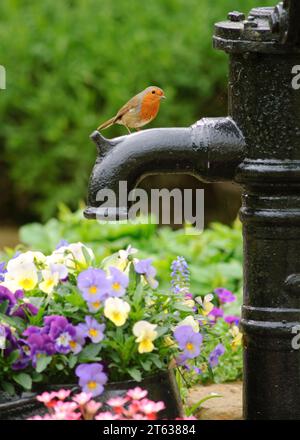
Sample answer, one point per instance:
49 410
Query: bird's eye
153 91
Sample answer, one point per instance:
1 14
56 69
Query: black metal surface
161 387
210 149
266 108
285 20
262 155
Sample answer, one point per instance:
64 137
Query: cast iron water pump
257 146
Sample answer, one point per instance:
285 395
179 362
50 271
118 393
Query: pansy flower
119 282
116 310
92 329
145 335
91 378
218 351
145 268
93 285
188 341
224 295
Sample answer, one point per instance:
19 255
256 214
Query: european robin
139 110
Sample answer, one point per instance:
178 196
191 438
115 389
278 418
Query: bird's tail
106 124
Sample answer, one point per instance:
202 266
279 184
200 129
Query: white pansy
116 310
21 276
124 254
72 256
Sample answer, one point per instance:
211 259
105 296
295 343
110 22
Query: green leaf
37 377
196 406
157 362
3 306
24 380
89 352
146 365
72 361
59 366
135 374
133 279
138 294
86 255
161 331
16 322
75 299
8 387
13 356
42 363
182 308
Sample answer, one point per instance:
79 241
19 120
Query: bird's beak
163 97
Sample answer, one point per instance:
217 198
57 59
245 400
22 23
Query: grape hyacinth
180 275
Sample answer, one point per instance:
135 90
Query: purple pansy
224 295
216 313
40 344
93 285
218 351
92 329
78 340
2 337
25 355
188 341
232 319
2 271
62 243
6 295
144 267
60 331
119 282
24 310
91 378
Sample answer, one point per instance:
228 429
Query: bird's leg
128 129
137 129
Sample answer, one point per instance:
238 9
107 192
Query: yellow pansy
145 334
50 280
206 303
237 337
116 310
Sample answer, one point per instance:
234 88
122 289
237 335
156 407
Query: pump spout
211 149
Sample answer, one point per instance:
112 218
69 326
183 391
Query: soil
8 236
227 407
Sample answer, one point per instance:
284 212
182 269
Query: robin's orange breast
149 108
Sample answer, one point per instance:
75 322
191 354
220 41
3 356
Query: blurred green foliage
214 257
72 64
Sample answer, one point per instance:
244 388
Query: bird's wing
132 103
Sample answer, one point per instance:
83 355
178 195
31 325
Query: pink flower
48 399
62 394
91 409
137 393
117 401
82 398
106 416
151 408
45 417
139 416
